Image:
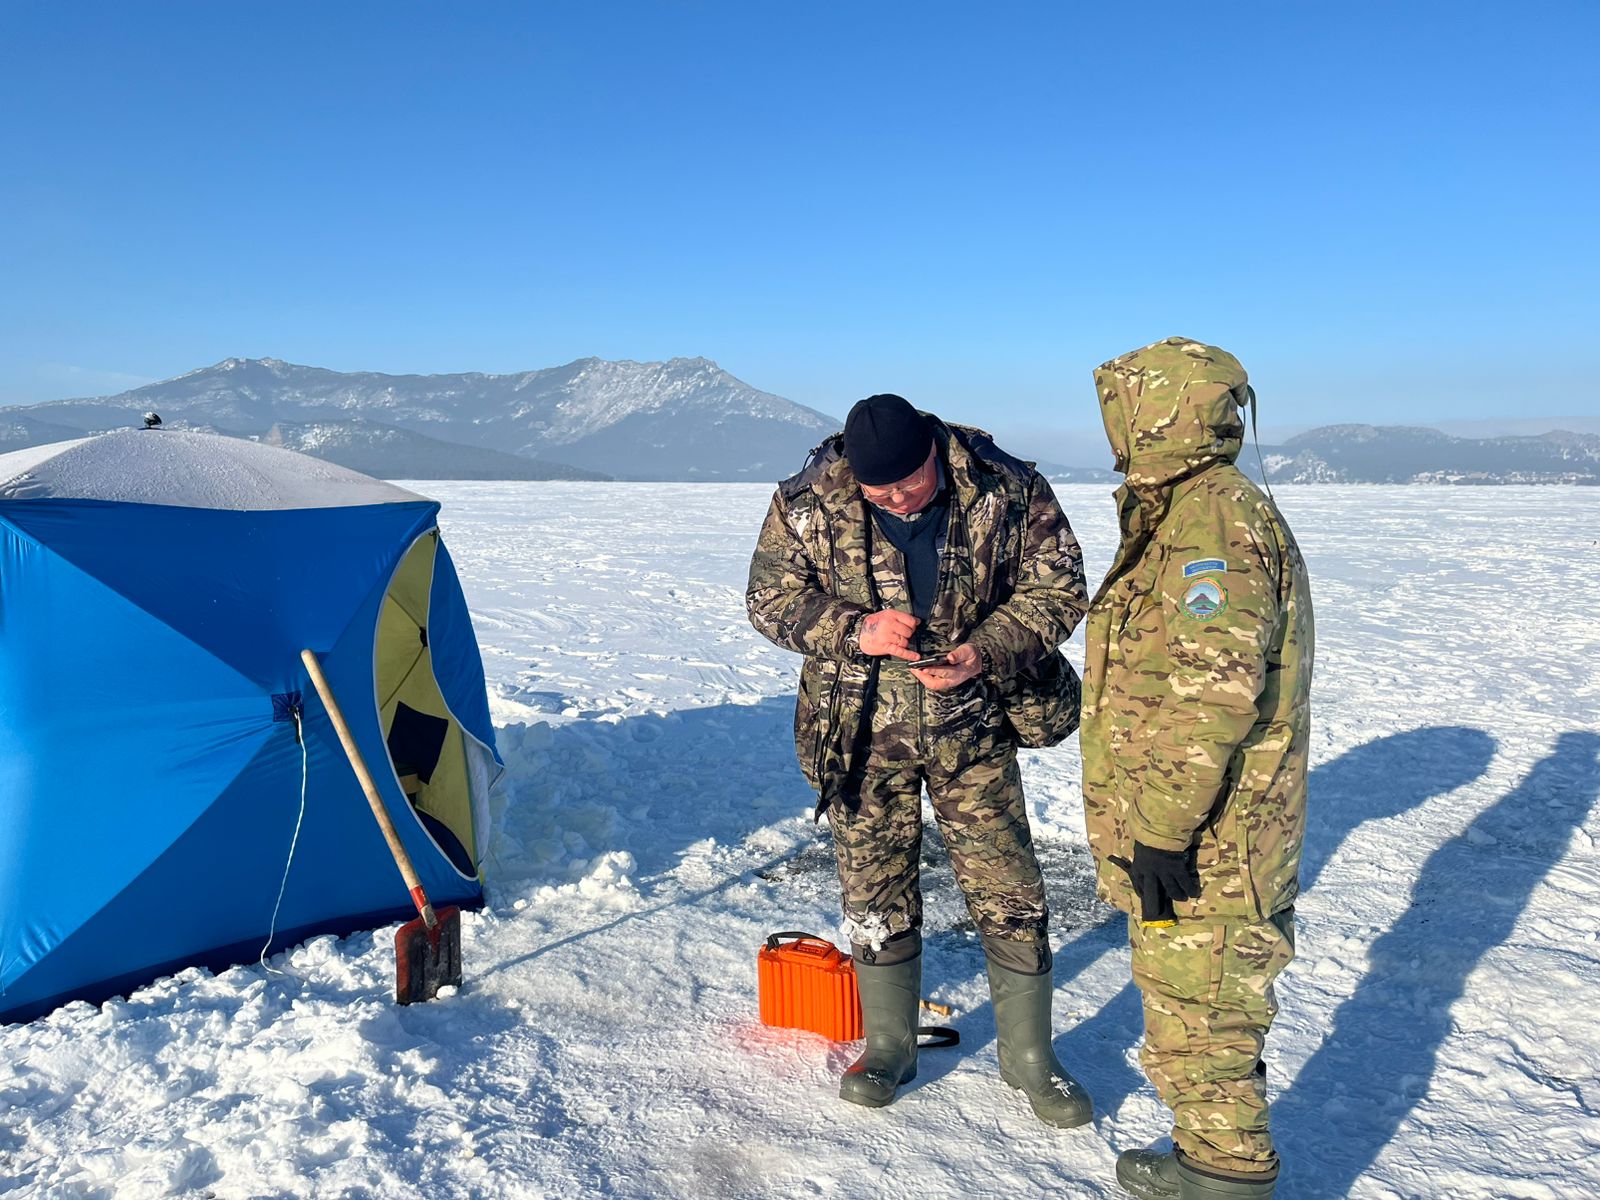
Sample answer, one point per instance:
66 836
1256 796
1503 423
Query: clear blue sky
1388 211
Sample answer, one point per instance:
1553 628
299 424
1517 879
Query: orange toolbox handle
798 935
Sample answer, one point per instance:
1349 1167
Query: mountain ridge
1401 454
684 418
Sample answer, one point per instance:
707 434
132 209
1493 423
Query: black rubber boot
1027 1060
890 999
1168 1175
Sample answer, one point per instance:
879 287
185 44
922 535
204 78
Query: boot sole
1052 1121
875 1101
1057 1123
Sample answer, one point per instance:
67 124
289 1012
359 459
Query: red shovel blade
427 959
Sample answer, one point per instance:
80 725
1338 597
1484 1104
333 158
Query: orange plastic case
808 984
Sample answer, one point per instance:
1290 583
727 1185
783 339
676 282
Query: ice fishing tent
156 589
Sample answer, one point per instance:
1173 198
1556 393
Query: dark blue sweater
920 537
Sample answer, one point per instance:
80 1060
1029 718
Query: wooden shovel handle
359 765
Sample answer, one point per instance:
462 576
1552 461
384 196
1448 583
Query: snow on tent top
192 470
156 589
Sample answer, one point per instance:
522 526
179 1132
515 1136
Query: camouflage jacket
1196 706
1010 583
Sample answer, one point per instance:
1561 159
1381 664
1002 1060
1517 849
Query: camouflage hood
1171 410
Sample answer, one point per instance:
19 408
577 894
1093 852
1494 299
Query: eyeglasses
898 490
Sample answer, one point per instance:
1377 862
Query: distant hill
1408 454
684 419
393 453
1056 473
1405 454
1517 426
19 430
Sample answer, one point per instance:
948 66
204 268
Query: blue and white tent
156 589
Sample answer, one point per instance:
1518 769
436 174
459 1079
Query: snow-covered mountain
1405 454
390 452
1492 427
682 419
1081 475
19 429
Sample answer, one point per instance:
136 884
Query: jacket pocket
812 716
1042 703
1220 852
962 711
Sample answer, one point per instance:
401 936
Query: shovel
428 949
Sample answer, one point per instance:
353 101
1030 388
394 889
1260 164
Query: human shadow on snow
1383 778
652 785
659 786
1381 1053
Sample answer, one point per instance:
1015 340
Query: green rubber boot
1148 1174
1168 1175
1202 1183
1027 1061
890 998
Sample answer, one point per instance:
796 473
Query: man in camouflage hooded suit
1196 721
829 581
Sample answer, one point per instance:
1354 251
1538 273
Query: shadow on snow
1383 778
659 786
1381 1053
652 786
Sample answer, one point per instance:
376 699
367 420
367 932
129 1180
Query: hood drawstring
1255 435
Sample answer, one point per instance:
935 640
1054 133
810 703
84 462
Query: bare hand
889 632
961 664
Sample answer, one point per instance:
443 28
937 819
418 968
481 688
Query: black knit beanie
885 440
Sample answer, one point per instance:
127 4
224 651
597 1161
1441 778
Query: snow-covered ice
1439 1032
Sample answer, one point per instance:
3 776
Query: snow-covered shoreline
1435 1038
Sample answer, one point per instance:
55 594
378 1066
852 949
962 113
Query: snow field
1436 1036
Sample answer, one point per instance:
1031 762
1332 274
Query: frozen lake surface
1438 1034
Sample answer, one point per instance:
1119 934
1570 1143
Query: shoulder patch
1205 598
1201 565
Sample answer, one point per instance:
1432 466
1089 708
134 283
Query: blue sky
1388 211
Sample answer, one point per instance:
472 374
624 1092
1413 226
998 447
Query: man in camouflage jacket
1196 723
870 732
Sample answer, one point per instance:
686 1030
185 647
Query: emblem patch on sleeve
1201 565
1205 598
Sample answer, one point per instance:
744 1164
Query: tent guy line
305 772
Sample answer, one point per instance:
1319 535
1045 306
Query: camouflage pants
1208 1002
956 746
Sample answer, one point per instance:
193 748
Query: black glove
1159 877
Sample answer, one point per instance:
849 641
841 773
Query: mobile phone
938 660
